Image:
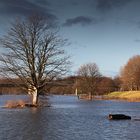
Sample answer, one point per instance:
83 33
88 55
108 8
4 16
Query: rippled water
70 119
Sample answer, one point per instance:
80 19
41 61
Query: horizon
105 32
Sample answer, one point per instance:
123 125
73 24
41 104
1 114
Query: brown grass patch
132 96
15 104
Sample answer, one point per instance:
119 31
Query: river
69 119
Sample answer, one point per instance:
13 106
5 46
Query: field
125 95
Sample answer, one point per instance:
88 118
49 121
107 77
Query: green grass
127 95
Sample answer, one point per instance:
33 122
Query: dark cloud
24 8
42 2
137 40
106 5
82 20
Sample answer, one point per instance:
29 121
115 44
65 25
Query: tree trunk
34 98
90 96
33 91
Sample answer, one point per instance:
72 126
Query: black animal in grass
118 117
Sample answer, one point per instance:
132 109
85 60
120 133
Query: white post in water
76 93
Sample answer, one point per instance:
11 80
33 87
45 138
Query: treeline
9 86
88 80
69 85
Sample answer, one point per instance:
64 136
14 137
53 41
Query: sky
105 32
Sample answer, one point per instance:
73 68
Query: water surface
69 119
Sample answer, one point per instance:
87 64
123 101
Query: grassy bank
125 95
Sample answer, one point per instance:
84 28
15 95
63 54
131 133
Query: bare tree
89 77
33 52
130 74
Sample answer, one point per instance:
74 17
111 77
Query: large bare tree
88 80
33 52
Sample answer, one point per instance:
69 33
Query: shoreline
131 96
128 96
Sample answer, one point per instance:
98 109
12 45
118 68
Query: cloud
137 40
107 5
24 8
82 20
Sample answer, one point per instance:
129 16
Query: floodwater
70 119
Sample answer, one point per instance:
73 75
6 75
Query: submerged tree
34 53
88 80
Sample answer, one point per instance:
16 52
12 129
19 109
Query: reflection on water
70 119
